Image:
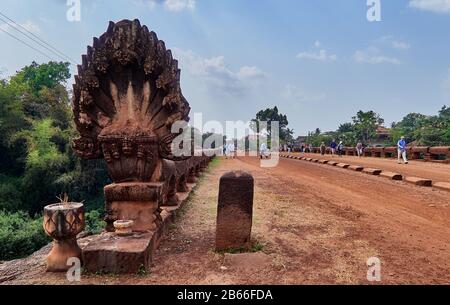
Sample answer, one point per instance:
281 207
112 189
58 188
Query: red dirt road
317 224
407 226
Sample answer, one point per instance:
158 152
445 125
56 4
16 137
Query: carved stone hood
126 97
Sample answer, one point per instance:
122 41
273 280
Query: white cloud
217 75
391 41
291 92
29 25
179 5
373 56
400 45
250 72
170 5
437 6
322 55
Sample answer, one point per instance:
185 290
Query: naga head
126 98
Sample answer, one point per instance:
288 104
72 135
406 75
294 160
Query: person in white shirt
227 150
263 150
231 150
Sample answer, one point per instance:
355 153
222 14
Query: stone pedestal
62 222
60 254
135 201
235 211
111 253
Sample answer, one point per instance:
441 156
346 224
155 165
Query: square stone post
234 211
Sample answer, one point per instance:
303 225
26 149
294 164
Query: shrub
10 193
94 222
20 235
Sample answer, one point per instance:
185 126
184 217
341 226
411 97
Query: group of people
338 148
229 150
335 147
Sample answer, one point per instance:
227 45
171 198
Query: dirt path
316 224
430 170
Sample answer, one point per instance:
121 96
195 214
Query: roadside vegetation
422 130
37 163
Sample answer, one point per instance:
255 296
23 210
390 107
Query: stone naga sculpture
126 98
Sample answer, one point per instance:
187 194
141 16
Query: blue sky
319 61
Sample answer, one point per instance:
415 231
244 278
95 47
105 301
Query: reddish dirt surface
317 224
438 172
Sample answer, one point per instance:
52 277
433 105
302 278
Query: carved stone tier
108 252
131 155
135 201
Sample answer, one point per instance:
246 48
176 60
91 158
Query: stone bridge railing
436 153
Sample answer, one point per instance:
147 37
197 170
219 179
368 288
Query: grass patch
142 271
214 163
255 247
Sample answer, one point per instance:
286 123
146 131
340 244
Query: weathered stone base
390 175
110 253
445 186
61 251
419 181
135 201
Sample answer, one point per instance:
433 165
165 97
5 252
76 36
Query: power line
40 41
30 46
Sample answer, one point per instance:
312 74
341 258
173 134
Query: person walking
333 146
227 150
322 149
232 150
401 148
263 150
340 148
359 149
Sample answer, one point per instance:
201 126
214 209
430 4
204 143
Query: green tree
43 92
365 125
270 115
424 130
12 119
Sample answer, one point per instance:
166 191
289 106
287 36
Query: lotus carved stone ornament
62 222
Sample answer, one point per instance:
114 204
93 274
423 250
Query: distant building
298 142
383 135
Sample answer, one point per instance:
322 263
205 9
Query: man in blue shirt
401 147
333 146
